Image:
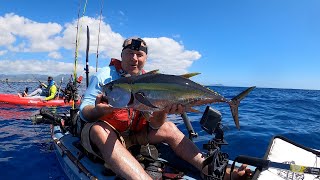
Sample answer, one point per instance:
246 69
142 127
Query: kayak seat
147 156
154 170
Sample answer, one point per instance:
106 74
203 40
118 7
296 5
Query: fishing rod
7 81
265 164
59 89
99 37
77 45
78 38
186 120
87 57
24 92
41 83
36 78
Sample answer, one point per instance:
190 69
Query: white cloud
55 55
109 41
39 67
24 35
20 34
3 52
169 56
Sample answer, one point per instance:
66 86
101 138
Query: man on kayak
49 92
109 131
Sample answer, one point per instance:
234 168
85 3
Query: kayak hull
32 101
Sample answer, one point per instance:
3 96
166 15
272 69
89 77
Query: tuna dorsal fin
156 71
189 75
143 100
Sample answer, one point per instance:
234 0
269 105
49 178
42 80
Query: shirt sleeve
102 77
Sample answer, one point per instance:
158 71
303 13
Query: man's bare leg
115 154
179 143
187 150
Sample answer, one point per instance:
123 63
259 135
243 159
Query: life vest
125 119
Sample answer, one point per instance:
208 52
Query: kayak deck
84 168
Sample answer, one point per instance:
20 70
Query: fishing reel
217 161
71 92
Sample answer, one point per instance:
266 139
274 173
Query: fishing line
99 37
7 81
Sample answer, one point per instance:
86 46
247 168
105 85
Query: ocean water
26 150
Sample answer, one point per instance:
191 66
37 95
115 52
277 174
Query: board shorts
128 139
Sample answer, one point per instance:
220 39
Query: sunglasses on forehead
136 45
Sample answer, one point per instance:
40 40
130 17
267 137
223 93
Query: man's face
133 61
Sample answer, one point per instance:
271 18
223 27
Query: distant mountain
215 85
33 78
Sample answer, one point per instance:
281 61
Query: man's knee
169 128
100 132
170 125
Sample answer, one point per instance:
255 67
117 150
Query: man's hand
42 85
102 107
159 117
174 109
242 173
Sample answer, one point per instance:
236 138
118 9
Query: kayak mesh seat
154 170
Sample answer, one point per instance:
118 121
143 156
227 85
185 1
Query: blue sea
26 150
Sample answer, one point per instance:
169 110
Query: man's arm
92 108
93 113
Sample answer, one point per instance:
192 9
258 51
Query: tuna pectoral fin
143 100
234 104
190 109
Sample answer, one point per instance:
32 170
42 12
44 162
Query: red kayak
32 101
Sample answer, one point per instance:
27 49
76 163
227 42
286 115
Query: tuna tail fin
234 104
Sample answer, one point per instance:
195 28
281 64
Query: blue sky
274 43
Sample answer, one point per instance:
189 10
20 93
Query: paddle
265 164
